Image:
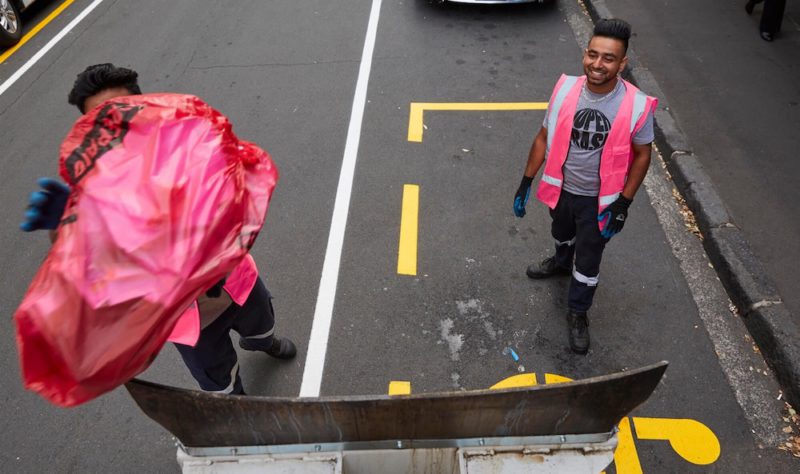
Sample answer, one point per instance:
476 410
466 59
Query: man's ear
623 64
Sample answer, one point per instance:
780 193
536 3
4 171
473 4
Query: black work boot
546 269
578 323
281 348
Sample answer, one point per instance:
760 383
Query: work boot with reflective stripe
578 323
546 269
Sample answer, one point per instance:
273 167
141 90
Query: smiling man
595 145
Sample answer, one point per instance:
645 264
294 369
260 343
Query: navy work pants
772 15
578 239
212 361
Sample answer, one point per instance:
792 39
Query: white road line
318 342
39 54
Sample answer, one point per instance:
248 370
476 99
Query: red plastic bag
165 202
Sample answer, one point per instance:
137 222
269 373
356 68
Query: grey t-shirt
593 118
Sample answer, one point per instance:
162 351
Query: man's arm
641 163
536 155
535 160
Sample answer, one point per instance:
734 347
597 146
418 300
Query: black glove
521 198
616 212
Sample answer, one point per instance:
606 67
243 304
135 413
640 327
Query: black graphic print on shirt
590 129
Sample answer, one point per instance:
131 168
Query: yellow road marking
398 387
626 459
418 110
407 253
515 381
35 30
692 440
553 378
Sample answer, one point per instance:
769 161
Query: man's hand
46 207
521 198
616 213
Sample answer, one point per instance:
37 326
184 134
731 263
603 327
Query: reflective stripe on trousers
575 219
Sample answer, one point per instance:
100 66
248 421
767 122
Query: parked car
11 21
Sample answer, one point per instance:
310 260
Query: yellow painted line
36 29
515 381
409 226
626 459
417 111
398 387
555 378
692 440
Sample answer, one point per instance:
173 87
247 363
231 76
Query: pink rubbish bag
165 201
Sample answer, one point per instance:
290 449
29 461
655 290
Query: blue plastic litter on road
511 352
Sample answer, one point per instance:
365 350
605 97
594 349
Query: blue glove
521 198
46 207
616 213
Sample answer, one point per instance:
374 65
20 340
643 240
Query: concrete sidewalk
727 125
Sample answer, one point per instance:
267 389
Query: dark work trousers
212 361
578 237
772 15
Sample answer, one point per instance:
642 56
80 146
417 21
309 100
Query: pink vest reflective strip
617 155
563 87
238 285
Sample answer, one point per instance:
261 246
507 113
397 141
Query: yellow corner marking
407 252
35 30
692 440
397 387
626 459
417 111
520 380
553 378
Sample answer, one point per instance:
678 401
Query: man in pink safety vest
240 302
595 144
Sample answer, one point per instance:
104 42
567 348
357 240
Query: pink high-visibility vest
617 155
238 285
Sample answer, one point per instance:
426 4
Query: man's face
94 100
603 60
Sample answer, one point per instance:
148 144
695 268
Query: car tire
10 23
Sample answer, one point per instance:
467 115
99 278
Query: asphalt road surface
291 76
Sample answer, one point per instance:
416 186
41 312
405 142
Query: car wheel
10 24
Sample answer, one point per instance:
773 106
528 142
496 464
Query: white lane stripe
318 342
39 54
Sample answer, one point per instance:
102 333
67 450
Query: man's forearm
641 163
536 155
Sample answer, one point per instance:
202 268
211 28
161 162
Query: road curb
767 319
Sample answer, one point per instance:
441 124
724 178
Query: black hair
100 77
614 28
